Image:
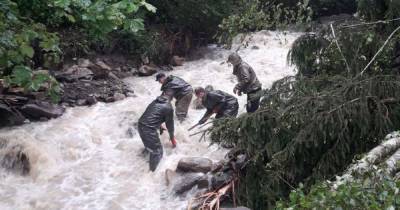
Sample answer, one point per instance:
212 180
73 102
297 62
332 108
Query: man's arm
205 117
169 122
244 75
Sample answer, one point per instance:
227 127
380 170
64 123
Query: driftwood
211 200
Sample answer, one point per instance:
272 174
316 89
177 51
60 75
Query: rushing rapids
90 158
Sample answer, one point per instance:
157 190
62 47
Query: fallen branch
211 200
340 50
198 132
370 23
380 50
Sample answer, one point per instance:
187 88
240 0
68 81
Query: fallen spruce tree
370 183
343 101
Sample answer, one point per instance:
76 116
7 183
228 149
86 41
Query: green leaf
70 18
21 75
149 7
38 80
134 25
62 3
26 50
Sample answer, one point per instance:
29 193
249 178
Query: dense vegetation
31 38
373 191
343 100
341 103
42 34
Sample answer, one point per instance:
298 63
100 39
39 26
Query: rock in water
188 181
42 109
119 96
9 117
195 164
170 175
13 158
221 178
177 61
146 70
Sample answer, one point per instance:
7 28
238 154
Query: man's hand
173 142
162 129
216 110
237 91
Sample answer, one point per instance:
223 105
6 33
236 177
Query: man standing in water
158 112
175 87
216 101
248 82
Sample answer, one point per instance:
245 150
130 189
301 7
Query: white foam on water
87 160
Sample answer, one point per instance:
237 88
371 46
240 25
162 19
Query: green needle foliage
372 191
310 129
311 126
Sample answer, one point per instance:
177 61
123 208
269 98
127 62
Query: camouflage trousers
152 144
182 106
253 101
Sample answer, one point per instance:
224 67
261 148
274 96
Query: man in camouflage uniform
158 112
247 82
218 102
175 87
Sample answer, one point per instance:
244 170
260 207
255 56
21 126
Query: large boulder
221 178
74 73
188 181
84 63
195 164
100 70
147 70
177 61
10 116
40 110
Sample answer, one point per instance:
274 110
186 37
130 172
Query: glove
173 142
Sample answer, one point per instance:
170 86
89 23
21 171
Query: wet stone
42 109
146 70
14 159
188 181
221 178
9 117
195 164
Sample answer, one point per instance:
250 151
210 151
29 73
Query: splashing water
90 158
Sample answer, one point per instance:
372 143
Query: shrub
368 192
